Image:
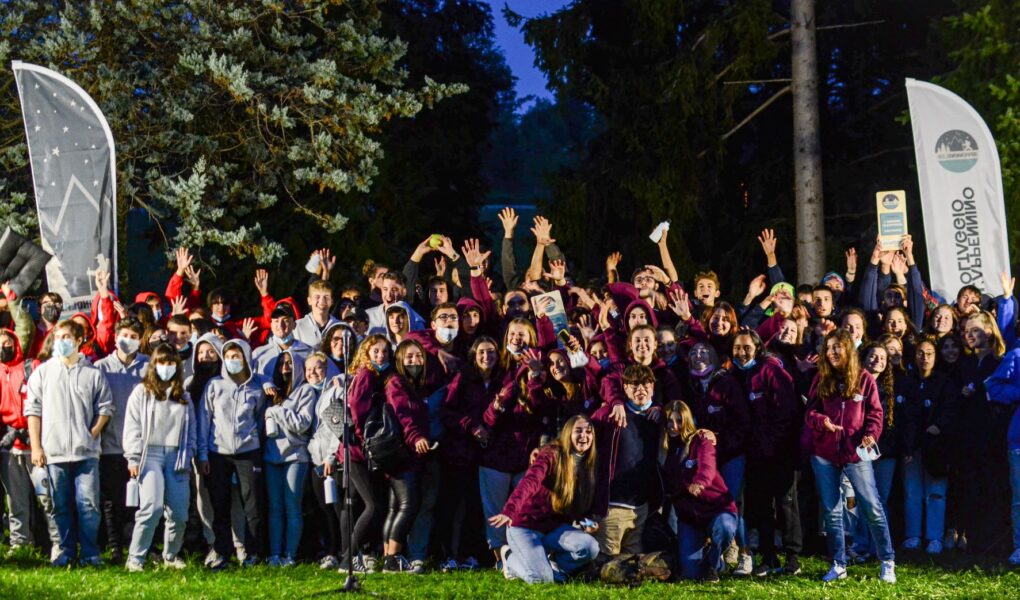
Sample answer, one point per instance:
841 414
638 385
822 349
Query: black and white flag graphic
74 175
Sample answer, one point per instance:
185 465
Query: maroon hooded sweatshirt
699 466
858 411
467 397
721 408
530 504
775 410
514 430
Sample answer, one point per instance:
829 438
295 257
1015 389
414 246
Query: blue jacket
1004 387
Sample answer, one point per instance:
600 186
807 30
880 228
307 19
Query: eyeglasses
644 279
447 318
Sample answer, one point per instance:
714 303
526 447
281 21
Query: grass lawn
28 576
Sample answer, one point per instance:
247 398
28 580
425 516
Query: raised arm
667 260
543 238
767 239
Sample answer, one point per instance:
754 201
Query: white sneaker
417 567
835 572
912 543
174 562
745 565
887 573
329 562
1014 559
134 566
934 547
731 556
54 552
212 557
504 553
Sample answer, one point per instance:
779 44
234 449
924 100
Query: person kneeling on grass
553 511
704 507
160 432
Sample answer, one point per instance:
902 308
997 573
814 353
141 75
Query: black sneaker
792 566
711 575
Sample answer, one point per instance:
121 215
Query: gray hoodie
122 379
151 422
293 418
69 400
328 420
265 356
306 330
231 416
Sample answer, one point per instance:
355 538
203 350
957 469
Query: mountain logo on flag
956 151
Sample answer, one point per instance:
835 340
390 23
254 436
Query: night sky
530 81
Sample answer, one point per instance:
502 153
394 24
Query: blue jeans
530 552
1014 482
285 485
76 506
732 473
495 487
162 492
862 478
921 489
885 472
722 529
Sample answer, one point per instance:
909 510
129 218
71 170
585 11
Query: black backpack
384 437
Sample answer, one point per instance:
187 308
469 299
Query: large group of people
526 420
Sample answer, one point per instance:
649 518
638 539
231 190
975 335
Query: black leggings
404 500
330 513
459 514
363 487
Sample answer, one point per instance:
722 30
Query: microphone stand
351 584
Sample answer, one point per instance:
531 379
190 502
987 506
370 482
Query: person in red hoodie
704 507
465 438
842 426
553 511
406 391
369 368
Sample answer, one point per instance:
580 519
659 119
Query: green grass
28 576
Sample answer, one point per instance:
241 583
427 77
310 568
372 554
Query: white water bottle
271 428
41 481
329 489
312 266
131 498
658 231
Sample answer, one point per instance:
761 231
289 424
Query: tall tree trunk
806 145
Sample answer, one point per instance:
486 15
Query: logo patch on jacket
755 395
712 409
899 399
858 398
690 463
927 402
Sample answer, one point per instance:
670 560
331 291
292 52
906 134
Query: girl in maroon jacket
466 435
554 509
406 390
563 391
369 368
514 424
842 426
772 450
703 504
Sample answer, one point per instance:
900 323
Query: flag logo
956 151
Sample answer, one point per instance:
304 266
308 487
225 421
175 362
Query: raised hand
767 239
557 271
184 259
757 286
679 302
177 305
508 217
327 262
103 283
446 248
898 263
907 247
584 324
543 231
423 248
262 282
1007 283
121 311
613 260
658 274
533 359
440 266
248 327
583 297
473 255
5 289
851 261
194 277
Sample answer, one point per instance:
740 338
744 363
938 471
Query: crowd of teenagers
848 417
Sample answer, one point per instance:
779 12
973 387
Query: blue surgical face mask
604 363
746 366
233 365
702 372
318 386
156 314
381 366
64 347
445 335
283 341
638 409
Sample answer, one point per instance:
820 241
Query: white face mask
128 345
445 335
64 348
166 372
234 365
868 454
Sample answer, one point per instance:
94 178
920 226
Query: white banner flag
961 191
74 171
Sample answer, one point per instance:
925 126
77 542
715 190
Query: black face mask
50 313
414 370
207 368
7 354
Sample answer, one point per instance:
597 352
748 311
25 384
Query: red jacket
13 391
699 466
514 430
859 412
467 397
175 289
413 413
530 504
